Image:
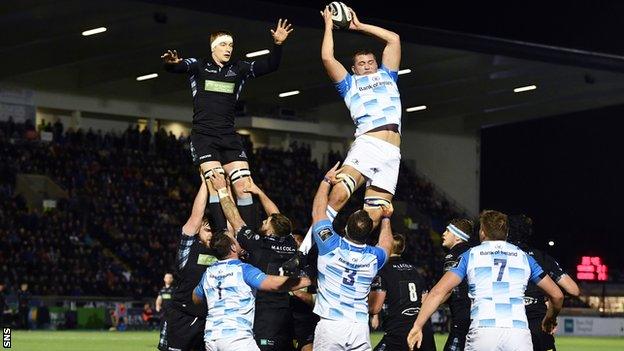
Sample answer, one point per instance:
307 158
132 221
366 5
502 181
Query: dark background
566 173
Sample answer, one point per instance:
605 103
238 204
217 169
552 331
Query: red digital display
591 268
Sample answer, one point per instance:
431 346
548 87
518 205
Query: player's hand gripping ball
341 16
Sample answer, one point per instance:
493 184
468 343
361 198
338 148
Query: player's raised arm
194 222
319 206
335 70
269 206
385 235
229 208
175 64
271 62
391 57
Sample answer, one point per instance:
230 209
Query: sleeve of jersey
382 258
199 289
462 266
537 273
188 65
266 64
184 249
247 238
393 74
554 270
344 85
324 236
379 284
253 276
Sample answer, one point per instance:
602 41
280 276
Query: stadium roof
42 48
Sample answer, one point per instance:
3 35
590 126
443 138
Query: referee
456 240
183 328
520 231
399 285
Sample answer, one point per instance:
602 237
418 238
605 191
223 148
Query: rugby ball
341 16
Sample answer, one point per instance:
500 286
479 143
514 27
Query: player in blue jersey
497 273
372 96
346 268
229 287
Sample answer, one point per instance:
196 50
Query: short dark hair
494 224
359 226
398 244
362 52
221 244
215 34
520 229
281 224
463 224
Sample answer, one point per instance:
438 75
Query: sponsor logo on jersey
219 87
412 311
325 234
206 260
230 73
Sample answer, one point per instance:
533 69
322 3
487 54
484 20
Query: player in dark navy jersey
399 288
267 250
216 83
520 231
456 239
183 327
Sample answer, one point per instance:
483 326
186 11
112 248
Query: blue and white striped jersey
345 273
497 273
372 99
229 287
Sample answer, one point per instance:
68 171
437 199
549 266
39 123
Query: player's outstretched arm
385 235
175 64
335 70
192 225
319 206
391 56
269 206
555 296
277 283
229 208
308 298
271 62
429 305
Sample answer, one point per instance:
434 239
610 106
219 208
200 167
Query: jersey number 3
350 278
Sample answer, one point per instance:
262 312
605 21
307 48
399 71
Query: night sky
567 173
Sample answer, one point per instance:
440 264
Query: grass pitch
140 341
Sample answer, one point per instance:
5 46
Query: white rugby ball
341 16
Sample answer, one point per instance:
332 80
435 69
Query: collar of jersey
229 261
353 244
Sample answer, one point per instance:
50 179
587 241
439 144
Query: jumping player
216 84
372 97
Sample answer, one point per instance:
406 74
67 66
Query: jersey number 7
502 262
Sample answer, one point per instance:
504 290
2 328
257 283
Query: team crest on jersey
325 234
248 233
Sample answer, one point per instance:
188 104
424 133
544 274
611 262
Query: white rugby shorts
377 160
331 335
498 339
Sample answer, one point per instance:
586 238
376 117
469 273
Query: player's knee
342 191
207 173
239 178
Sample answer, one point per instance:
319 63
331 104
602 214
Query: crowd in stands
129 194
